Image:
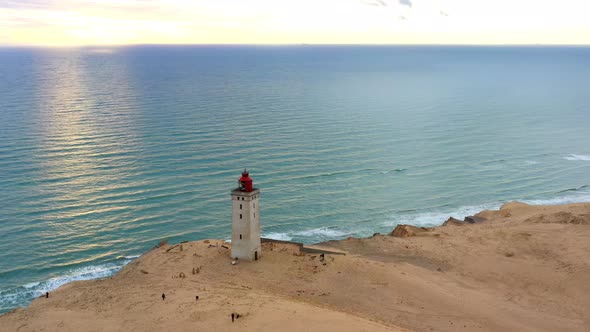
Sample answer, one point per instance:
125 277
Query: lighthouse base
246 254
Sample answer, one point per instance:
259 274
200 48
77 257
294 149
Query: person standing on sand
46 295
232 317
163 296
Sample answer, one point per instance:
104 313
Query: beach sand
527 268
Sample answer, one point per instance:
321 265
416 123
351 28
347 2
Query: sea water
106 151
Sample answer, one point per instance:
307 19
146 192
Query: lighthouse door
256 255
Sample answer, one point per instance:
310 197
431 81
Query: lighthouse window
240 206
254 215
240 216
240 236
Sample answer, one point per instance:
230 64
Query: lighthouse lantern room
245 237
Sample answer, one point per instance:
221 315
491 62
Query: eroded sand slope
525 269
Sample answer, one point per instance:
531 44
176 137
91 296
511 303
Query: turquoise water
105 152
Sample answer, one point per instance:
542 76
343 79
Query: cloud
106 22
406 3
383 3
25 4
377 3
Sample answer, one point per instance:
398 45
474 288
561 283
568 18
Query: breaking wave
577 157
24 294
308 236
323 231
436 218
578 197
128 257
278 236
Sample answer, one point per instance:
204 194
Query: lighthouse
245 225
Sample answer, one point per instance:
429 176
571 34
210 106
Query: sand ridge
525 269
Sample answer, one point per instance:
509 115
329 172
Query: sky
123 22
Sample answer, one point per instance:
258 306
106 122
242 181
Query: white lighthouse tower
245 225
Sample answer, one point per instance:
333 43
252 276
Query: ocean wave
437 217
31 285
130 257
315 235
397 170
579 197
323 231
432 217
321 175
573 189
278 236
316 175
577 157
24 294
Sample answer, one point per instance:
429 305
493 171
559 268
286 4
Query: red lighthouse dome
245 182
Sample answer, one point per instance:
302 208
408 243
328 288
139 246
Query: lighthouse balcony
242 192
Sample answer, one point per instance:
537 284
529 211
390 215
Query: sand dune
524 269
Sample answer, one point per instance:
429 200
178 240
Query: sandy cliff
524 269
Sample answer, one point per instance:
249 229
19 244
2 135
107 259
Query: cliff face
523 269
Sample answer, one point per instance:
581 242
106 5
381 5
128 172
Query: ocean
106 151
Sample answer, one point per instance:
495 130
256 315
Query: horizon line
289 45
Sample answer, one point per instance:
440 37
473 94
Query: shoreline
17 294
507 272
